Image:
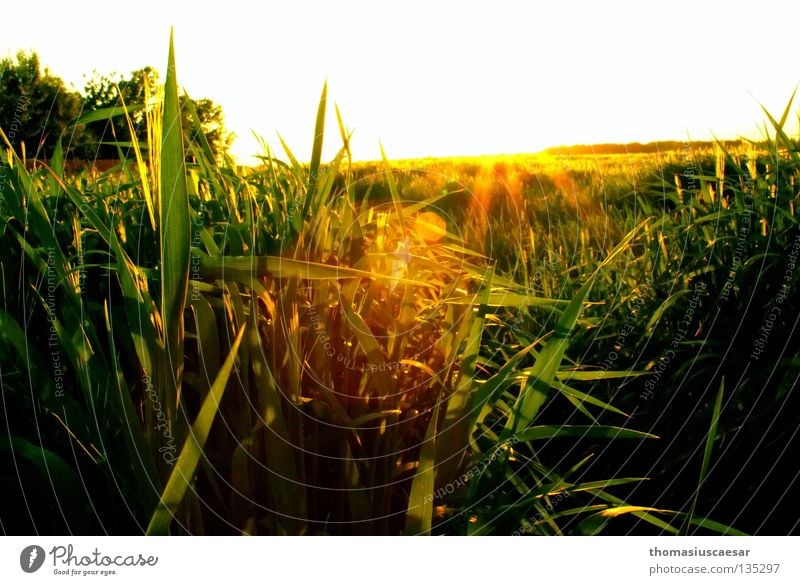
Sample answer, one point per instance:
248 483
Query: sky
437 78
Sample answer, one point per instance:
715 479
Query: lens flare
430 227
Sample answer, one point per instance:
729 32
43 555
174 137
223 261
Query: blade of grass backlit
372 349
592 375
458 422
714 526
185 467
562 486
780 133
419 516
541 432
246 268
56 167
345 135
175 236
105 114
316 150
398 208
508 299
485 395
140 164
641 514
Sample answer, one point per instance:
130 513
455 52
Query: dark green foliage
36 107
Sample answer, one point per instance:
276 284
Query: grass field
545 344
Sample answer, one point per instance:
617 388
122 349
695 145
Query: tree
36 107
111 91
105 92
212 123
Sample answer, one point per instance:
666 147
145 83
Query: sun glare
430 227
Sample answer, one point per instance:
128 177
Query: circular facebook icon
31 558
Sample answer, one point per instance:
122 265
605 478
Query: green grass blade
185 467
541 432
507 299
377 359
715 526
175 236
285 480
578 398
484 396
641 514
419 517
562 486
709 448
344 134
780 133
107 113
245 269
458 422
593 375
316 150
141 165
620 510
57 168
396 201
662 308
787 110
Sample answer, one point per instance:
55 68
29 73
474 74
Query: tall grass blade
186 465
316 150
461 412
175 237
419 517
541 432
707 451
288 491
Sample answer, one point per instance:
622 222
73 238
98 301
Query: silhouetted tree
36 107
113 133
111 91
212 123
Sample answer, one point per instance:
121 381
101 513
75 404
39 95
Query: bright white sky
441 78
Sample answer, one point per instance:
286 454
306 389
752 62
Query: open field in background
550 344
695 302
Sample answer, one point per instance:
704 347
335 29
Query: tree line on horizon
37 108
634 147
